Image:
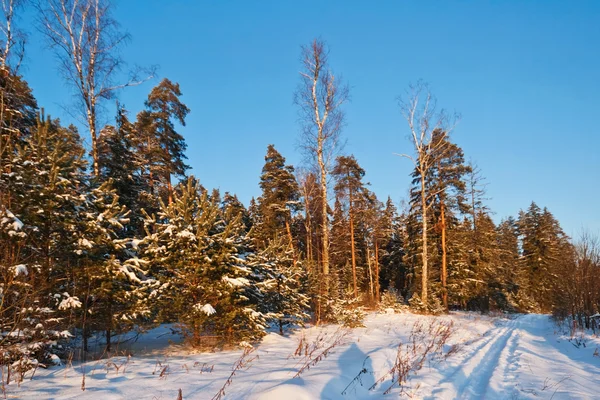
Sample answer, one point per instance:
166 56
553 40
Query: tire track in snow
478 381
472 377
511 361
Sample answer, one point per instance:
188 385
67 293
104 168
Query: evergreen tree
340 252
277 254
18 113
119 162
282 283
508 261
162 147
38 226
394 272
542 243
112 282
279 201
439 190
350 189
200 250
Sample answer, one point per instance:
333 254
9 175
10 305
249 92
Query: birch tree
426 122
86 40
319 97
14 40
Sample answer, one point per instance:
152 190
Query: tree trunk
108 339
170 188
377 288
352 245
91 120
424 272
371 289
109 324
444 261
307 225
324 227
291 239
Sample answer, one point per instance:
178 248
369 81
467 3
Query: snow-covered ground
524 357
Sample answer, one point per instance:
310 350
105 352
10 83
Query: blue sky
524 75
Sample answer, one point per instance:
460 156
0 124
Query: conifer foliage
199 250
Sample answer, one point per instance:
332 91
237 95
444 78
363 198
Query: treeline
121 238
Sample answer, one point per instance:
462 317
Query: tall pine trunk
291 239
352 244
424 255
444 259
371 286
377 288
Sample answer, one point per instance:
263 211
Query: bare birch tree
319 97
86 40
424 120
14 39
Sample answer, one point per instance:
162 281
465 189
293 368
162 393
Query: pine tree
200 252
37 230
282 283
340 252
542 243
18 113
162 147
448 184
276 252
442 188
119 162
508 261
279 201
350 189
394 272
112 282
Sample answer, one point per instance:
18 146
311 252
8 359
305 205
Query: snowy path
471 379
520 358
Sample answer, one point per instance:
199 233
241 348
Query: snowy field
525 357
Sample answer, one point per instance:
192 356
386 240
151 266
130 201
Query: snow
20 269
12 220
85 243
69 302
524 357
236 282
186 235
206 309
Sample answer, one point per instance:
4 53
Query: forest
118 236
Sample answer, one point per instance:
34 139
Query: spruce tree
542 243
508 261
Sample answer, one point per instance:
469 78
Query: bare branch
87 40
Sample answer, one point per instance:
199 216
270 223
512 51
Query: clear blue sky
525 76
